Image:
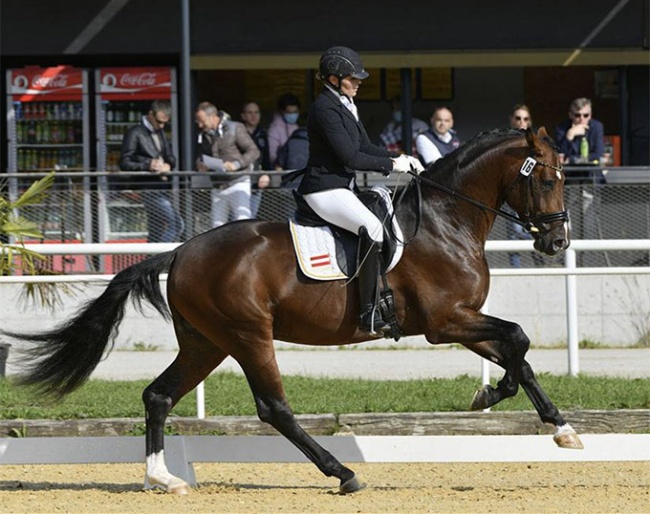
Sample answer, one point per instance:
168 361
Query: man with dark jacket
146 148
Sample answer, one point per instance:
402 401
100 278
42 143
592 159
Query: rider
338 147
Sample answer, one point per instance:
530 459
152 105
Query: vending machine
48 129
47 119
123 97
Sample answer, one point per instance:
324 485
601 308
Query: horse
234 289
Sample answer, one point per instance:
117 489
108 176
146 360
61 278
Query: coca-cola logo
21 82
58 80
109 80
141 79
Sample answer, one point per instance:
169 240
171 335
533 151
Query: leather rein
529 223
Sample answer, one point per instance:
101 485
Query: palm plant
15 256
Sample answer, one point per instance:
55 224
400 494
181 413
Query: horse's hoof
568 440
178 487
481 398
351 486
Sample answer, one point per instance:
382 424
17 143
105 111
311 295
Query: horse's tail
62 359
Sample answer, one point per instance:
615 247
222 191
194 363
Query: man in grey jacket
234 150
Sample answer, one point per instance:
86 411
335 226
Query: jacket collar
333 97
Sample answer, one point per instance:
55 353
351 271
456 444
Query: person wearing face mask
391 136
338 147
285 121
439 139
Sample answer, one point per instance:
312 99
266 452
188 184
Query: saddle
328 252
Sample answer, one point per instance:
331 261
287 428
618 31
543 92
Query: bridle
530 223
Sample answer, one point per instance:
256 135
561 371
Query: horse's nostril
560 243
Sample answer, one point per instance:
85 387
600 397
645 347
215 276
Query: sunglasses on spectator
160 122
582 114
522 118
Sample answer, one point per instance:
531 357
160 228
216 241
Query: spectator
579 126
295 152
520 119
439 139
285 121
230 142
146 148
251 117
391 136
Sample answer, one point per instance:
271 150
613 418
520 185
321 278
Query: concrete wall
614 310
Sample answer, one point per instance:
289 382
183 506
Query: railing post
485 364
200 401
572 312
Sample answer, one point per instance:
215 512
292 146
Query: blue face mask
290 117
397 116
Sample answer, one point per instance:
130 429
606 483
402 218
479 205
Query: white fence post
200 400
572 312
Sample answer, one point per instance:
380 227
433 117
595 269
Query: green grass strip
227 394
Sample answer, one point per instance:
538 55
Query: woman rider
338 147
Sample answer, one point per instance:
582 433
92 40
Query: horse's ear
533 140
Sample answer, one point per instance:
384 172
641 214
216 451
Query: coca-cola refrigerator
47 118
48 129
123 97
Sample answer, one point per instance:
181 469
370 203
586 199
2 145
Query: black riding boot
370 320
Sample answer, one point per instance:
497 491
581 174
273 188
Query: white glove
416 165
402 164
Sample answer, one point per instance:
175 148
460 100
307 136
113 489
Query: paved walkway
390 364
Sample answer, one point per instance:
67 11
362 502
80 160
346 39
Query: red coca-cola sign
55 83
135 83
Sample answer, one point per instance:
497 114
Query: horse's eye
548 184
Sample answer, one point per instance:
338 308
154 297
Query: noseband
530 223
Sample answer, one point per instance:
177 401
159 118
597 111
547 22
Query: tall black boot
369 254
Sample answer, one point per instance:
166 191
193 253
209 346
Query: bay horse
232 290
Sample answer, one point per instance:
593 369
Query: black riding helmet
341 62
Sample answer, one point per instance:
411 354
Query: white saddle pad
316 250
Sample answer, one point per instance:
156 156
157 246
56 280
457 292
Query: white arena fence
570 271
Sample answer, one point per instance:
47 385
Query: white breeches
342 208
232 203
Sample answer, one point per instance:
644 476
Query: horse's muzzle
553 241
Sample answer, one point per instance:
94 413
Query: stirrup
372 322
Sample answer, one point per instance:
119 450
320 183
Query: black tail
62 359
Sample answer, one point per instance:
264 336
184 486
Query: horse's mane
448 169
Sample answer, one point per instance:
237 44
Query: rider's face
349 86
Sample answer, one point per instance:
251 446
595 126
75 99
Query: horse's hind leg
272 407
565 436
196 359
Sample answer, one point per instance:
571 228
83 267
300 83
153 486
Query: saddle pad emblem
316 252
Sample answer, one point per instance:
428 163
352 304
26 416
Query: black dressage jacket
338 147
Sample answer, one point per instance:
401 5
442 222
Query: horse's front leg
469 327
565 436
